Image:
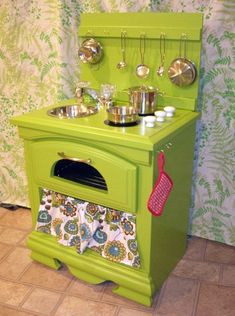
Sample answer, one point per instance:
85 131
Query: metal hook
162 46
183 40
123 42
90 33
142 46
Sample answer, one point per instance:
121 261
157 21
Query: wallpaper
38 65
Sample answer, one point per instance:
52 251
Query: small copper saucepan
182 71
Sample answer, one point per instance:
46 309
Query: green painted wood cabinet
124 156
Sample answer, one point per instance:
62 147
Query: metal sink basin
73 111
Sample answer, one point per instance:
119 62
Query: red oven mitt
161 189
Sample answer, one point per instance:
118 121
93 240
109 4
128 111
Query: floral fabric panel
83 225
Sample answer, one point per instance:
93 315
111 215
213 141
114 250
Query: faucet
80 90
83 89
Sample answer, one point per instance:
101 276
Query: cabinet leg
50 262
132 295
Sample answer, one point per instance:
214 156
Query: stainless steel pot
144 99
90 51
122 115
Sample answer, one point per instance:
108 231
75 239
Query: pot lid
143 88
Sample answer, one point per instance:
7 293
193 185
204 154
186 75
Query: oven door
84 172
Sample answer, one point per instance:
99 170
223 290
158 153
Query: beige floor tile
220 253
12 236
12 293
198 270
41 301
4 250
195 249
178 298
75 306
24 241
216 301
15 263
112 298
86 290
5 311
44 276
3 211
228 275
20 219
133 312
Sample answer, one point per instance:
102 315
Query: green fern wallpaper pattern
38 66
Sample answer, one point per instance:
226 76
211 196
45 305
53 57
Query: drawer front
120 176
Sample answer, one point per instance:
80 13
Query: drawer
56 165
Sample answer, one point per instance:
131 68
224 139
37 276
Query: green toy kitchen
110 171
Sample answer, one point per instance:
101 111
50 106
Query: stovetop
94 128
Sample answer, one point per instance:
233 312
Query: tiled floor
202 284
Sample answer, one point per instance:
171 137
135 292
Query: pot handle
161 93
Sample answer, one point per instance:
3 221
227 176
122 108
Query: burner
145 114
107 122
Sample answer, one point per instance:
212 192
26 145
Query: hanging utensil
142 70
122 64
160 70
182 71
90 51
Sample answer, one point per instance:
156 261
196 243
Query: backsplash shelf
107 25
107 29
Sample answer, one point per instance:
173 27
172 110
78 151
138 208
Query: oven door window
80 172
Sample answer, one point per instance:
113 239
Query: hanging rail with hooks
152 24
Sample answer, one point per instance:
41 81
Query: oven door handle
64 156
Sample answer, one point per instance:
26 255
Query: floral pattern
44 217
85 232
71 228
38 54
68 209
127 227
115 251
99 236
109 232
